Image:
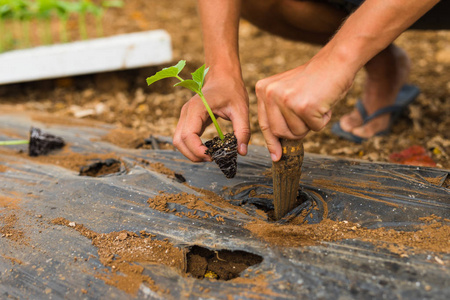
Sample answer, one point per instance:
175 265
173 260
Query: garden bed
143 233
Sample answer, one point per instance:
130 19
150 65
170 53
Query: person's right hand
228 99
292 103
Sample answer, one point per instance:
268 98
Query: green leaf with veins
190 84
199 75
180 65
167 72
195 84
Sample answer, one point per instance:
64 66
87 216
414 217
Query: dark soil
224 153
219 264
101 168
42 143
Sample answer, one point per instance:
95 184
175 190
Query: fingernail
273 156
243 149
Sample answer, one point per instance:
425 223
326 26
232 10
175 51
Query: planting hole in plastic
103 168
310 203
218 264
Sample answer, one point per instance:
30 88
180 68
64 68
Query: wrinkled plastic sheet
371 194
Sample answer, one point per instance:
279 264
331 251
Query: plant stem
211 114
15 142
213 118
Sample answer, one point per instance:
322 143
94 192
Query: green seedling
40 143
16 17
14 142
6 13
64 10
84 8
22 16
195 84
113 3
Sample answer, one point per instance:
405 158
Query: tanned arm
224 88
292 103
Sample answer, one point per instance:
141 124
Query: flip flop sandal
407 94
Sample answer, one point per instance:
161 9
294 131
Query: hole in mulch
103 168
446 183
310 205
218 264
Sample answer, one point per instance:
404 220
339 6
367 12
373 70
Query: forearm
372 27
220 25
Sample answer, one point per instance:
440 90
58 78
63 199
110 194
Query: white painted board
118 52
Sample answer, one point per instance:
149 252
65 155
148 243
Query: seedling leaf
167 72
180 65
190 84
195 85
199 75
112 3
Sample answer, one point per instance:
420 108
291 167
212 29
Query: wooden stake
286 177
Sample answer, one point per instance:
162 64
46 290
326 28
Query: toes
351 121
372 128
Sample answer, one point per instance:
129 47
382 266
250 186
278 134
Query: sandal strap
361 109
382 111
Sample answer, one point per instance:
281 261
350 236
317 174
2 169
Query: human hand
228 99
292 103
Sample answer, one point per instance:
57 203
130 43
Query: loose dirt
64 158
9 228
434 236
122 252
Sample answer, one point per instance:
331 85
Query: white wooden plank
83 57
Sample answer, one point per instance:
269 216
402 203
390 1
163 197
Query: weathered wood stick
286 177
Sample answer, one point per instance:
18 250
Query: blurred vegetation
24 21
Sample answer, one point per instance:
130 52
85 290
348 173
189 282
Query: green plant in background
16 17
195 84
44 10
64 9
6 13
82 9
99 11
23 15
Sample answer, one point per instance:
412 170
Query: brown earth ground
122 97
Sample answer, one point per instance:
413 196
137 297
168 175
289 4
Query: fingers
273 142
241 128
188 131
289 112
282 120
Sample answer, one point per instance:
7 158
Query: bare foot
386 74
